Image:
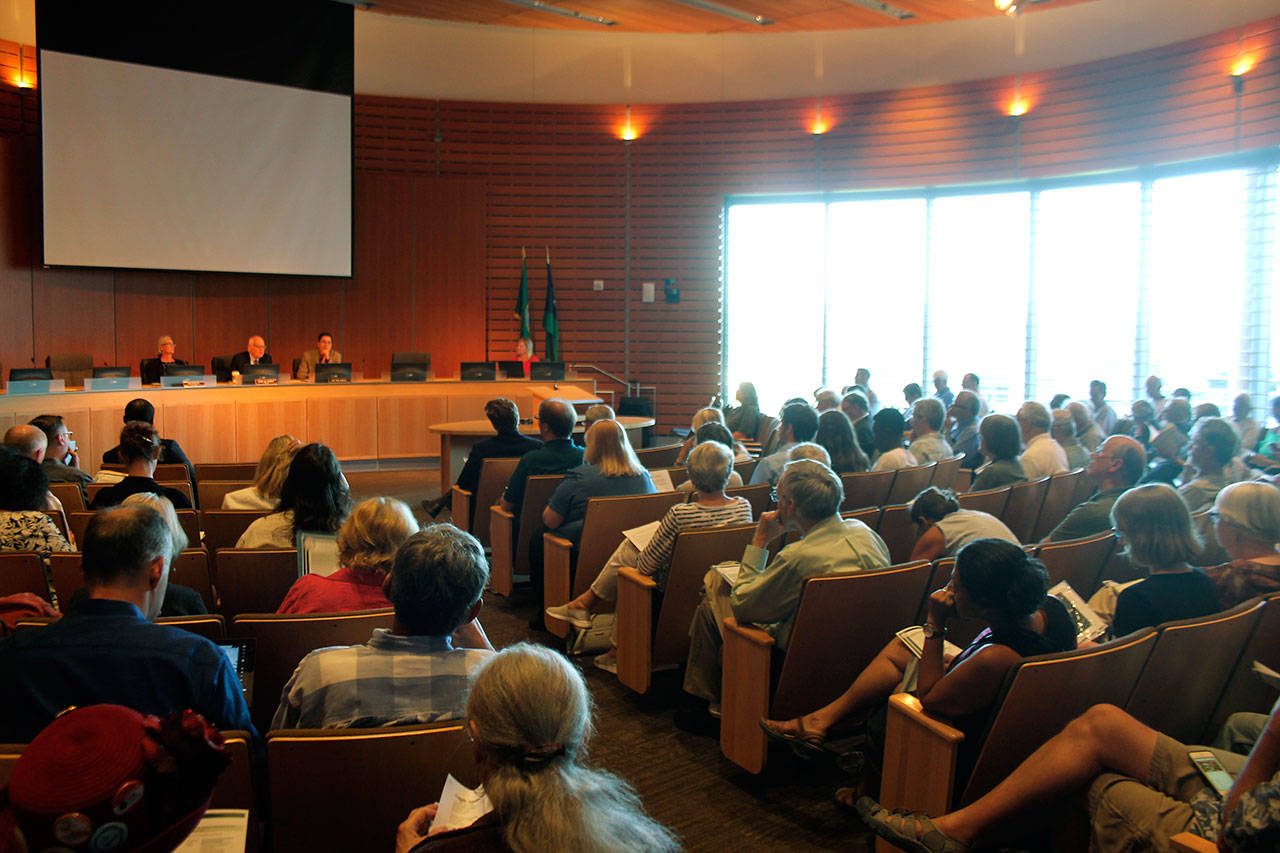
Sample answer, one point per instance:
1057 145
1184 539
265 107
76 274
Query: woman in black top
743 420
139 451
1155 527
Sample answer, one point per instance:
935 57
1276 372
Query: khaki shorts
1128 814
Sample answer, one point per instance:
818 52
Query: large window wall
1036 287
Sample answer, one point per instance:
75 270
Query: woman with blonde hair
611 469
367 544
1246 523
268 479
529 716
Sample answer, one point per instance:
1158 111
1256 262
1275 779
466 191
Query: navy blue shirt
105 651
581 484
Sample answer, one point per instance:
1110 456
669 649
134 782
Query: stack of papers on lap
642 535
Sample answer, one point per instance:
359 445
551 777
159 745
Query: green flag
522 301
550 322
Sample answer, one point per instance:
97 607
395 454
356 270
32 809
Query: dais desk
233 423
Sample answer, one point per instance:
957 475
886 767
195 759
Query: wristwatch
930 631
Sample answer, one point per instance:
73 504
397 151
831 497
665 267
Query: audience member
1143 416
809 450
1063 431
610 469
1154 397
962 429
1213 449
941 391
268 477
1041 455
508 442
703 416
1268 445
826 399
529 715
943 528
1000 444
855 407
1168 465
993 580
1158 536
1142 789
1205 410
367 543
862 379
767 592
1103 415
139 450
61 462
1177 411
743 420
1246 523
1087 432
970 382
106 649
171 453
324 353
911 392
718 433
153 368
799 423
835 434
556 419
1115 467
255 352
1058 401
178 600
599 412
887 426
313 499
23 523
26 440
927 444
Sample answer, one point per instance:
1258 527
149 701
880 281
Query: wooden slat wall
447 193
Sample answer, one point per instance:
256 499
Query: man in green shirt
1116 466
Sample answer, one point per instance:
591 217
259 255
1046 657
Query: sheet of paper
219 831
913 637
1268 675
729 571
1089 625
641 536
662 480
460 806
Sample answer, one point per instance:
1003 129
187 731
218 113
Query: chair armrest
502 539
744 694
634 632
460 508
919 758
1187 842
557 577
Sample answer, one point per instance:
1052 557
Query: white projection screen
152 167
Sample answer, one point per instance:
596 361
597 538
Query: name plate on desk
188 381
35 386
112 383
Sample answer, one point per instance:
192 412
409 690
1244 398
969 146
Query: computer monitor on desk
33 380
114 372
511 369
409 371
477 371
339 371
260 374
29 374
547 370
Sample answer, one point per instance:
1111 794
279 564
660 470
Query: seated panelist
255 353
152 369
324 353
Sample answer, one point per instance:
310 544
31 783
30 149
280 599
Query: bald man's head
557 417
27 440
1118 461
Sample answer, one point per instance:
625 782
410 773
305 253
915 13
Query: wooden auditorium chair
254 580
470 510
564 576
211 492
759 496
1244 690
653 624
22 571
224 527
866 488
1058 501
910 482
70 495
659 457
990 501
746 469
944 475
191 568
842 622
509 536
1079 562
1023 508
898 532
226 471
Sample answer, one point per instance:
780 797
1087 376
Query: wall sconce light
1242 66
628 131
820 125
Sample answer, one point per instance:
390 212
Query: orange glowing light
819 126
1019 107
1242 66
627 131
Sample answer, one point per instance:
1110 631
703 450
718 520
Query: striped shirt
655 559
391 680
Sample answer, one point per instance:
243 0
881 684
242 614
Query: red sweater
345 589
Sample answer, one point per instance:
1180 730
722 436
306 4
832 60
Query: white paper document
662 480
642 535
729 571
460 806
219 831
1089 625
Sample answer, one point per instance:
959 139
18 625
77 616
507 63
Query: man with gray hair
417 671
1116 466
1041 455
1087 432
767 592
1063 431
927 444
106 649
941 391
962 432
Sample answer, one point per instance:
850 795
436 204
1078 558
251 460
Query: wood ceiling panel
665 16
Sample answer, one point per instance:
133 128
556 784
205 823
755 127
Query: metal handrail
624 383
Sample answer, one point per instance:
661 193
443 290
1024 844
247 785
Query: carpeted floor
683 779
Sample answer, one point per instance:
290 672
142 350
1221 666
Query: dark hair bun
1000 577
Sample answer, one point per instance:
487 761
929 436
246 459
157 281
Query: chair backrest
842 622
190 522
602 527
211 626
868 515
192 569
91 489
1189 669
765 429
537 491
1245 691
746 469
757 496
220 367
898 532
235 786
1023 508
79 523
1058 501
411 357
73 368
990 501
494 474
22 571
59 521
254 581
1084 488
171 474
64 570
1079 562
211 492
944 476
282 640
384 774
909 482
225 471
69 495
695 551
223 527
866 488
658 457
962 480
1044 693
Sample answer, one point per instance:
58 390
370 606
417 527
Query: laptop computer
240 651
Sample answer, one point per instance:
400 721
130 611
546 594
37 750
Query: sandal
907 830
806 744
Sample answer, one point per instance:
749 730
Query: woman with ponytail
530 718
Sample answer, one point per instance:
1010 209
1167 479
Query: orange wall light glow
1243 65
1019 107
627 130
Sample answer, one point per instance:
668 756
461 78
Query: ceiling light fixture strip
539 6
727 11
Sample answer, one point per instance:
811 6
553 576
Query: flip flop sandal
804 745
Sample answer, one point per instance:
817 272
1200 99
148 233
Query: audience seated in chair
743 420
1115 467
799 423
944 528
556 419
139 450
268 478
768 592
179 600
29 441
529 715
927 444
314 498
717 432
1246 520
707 415
107 650
171 453
962 427
1041 455
1141 790
887 428
507 442
1087 432
1102 414
415 672
24 492
835 433
61 462
858 410
1063 431
993 580
1214 445
367 544
1001 443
